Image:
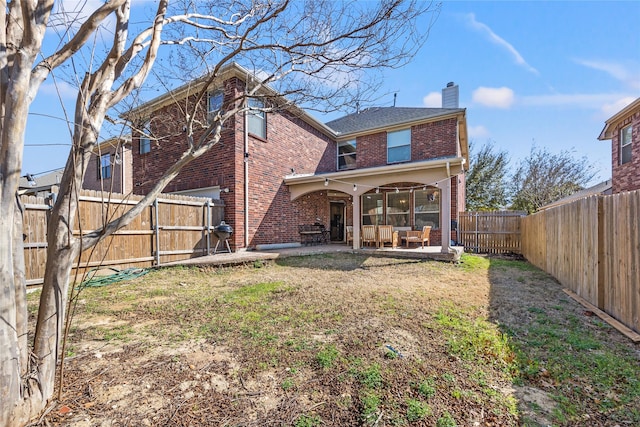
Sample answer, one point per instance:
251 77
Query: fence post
157 230
600 261
475 234
208 222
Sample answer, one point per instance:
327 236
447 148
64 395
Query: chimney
450 96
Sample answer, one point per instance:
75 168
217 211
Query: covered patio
381 193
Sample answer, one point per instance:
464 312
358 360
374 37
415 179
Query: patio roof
426 172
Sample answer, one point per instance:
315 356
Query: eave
225 73
612 122
425 172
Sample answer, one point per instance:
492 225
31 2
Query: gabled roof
610 124
42 182
226 72
385 117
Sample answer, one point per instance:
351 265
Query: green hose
94 281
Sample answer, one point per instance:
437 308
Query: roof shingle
379 117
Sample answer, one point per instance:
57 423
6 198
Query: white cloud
615 70
433 100
610 109
499 97
65 90
493 37
478 131
72 13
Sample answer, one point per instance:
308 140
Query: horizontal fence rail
173 228
490 232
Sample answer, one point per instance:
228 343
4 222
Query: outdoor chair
349 237
385 235
426 231
369 234
412 237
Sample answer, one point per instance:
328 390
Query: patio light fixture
326 182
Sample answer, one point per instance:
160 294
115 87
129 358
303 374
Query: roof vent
450 96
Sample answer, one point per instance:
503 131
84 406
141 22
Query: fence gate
490 232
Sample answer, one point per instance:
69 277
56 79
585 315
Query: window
399 146
104 166
257 118
625 144
145 138
372 209
427 208
214 102
398 209
347 154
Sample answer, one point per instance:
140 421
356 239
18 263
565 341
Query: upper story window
145 138
347 154
427 208
625 144
214 102
104 166
399 146
257 118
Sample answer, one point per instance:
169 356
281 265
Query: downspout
123 163
245 160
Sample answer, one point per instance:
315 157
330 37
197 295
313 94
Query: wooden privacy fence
490 232
173 228
592 246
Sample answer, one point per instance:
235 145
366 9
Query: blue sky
543 73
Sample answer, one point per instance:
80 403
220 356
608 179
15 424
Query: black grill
222 231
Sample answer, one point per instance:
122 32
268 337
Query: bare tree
314 53
543 178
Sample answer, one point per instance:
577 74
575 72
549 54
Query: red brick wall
626 177
290 144
433 140
428 141
120 181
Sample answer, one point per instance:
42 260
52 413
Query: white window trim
257 114
145 139
338 155
403 145
628 143
210 95
105 164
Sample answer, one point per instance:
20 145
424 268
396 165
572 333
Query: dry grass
329 340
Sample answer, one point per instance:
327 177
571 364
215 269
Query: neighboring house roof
42 182
610 124
604 187
385 117
113 143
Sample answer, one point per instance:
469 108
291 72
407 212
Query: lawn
345 340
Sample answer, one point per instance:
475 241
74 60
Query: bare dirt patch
321 340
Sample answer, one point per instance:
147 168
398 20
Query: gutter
446 162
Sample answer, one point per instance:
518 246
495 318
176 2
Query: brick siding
290 143
120 181
626 177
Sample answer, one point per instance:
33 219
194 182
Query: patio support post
356 222
445 223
